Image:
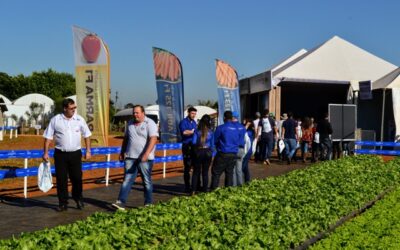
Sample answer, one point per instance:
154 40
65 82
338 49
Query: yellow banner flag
92 83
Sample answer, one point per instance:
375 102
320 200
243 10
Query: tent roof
389 81
286 61
337 61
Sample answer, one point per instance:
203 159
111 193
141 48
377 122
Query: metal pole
164 164
11 133
383 115
108 169
26 179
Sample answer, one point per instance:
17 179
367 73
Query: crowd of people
234 144
226 150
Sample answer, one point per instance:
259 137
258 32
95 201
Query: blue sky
250 35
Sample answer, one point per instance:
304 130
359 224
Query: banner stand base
103 181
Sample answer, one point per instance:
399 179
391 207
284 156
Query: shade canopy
335 61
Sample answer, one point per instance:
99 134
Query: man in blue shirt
187 128
227 138
237 170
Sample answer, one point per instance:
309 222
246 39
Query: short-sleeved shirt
67 132
187 124
267 124
138 136
290 128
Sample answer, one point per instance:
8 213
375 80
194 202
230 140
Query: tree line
51 83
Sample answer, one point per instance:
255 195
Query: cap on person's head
258 114
284 116
271 114
235 114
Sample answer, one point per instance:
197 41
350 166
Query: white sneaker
119 205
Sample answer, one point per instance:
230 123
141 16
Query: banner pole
164 164
26 179
108 169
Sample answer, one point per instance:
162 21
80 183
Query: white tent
20 106
390 81
335 61
201 110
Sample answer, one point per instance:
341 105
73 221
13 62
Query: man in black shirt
324 129
290 137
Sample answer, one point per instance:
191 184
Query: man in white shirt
137 152
67 128
256 147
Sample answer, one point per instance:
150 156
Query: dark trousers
266 146
336 150
201 166
223 163
326 148
315 151
187 152
68 164
257 156
245 167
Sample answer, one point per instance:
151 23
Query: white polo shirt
138 136
67 132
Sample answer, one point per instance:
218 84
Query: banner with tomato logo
228 89
169 80
92 69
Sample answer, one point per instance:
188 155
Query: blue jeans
290 147
132 167
237 170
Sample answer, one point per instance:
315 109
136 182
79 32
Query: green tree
208 103
129 105
35 111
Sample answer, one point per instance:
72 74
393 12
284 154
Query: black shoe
62 208
288 161
79 204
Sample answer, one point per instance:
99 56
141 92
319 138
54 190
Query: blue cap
235 114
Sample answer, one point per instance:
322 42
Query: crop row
275 213
377 228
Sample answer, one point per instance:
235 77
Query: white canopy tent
390 81
335 61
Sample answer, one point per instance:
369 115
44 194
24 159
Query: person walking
256 143
227 141
249 138
268 131
66 130
237 171
324 128
280 136
188 127
306 137
290 137
203 142
137 153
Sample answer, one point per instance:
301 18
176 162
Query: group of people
289 135
231 145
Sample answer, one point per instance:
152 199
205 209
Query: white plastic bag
247 143
45 180
281 146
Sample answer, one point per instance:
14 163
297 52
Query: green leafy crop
275 213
